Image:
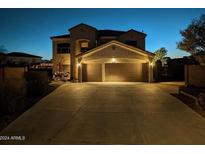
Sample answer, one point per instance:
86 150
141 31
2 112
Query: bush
12 99
36 83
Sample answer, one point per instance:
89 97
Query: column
150 71
80 73
103 72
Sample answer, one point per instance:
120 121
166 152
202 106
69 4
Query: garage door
125 72
92 72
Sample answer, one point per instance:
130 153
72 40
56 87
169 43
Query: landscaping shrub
12 99
36 83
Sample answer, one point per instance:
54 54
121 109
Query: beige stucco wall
120 54
13 76
78 33
195 75
133 36
14 72
64 59
135 63
82 32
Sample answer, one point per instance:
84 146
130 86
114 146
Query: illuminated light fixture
113 60
152 64
79 64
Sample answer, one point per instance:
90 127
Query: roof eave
81 24
138 32
120 43
60 37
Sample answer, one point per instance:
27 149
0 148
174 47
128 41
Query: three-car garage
115 72
114 62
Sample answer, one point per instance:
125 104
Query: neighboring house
44 64
13 67
2 58
22 58
89 54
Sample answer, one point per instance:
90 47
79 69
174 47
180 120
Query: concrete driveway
109 113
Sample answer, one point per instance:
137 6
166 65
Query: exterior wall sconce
79 64
152 64
113 60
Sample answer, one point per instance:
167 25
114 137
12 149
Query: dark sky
29 30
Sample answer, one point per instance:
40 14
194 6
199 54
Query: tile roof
61 36
81 25
21 54
108 32
105 32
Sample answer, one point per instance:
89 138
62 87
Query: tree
193 37
160 54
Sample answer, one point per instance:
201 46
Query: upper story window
63 48
131 43
84 46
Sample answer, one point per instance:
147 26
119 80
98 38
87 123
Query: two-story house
93 55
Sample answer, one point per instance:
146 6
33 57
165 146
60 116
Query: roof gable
117 44
82 24
132 31
101 33
60 36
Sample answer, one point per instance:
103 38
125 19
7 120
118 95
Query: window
132 43
63 48
84 46
103 41
33 60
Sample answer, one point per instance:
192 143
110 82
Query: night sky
29 30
